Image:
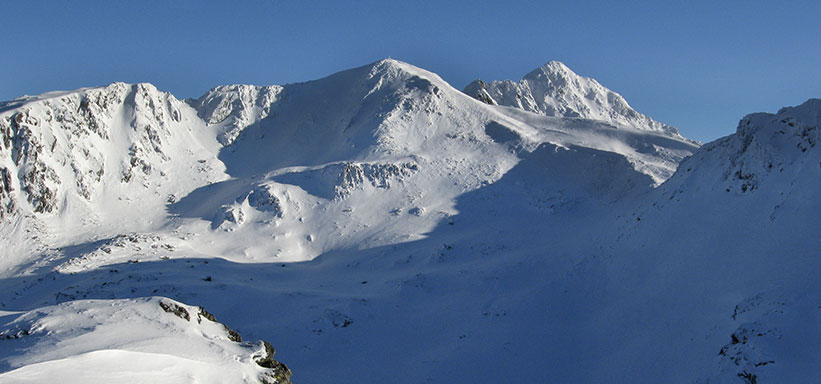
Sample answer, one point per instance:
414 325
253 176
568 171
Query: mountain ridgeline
380 217
555 90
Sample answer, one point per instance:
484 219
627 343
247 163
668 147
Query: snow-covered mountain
555 90
293 168
380 218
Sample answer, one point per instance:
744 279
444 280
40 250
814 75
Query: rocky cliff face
72 151
234 107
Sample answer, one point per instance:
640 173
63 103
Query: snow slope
379 223
739 253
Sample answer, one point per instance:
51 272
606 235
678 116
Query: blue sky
698 65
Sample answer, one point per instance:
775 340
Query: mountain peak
558 75
555 66
398 69
388 61
555 90
390 65
234 107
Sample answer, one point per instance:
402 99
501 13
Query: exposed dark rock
205 314
748 377
9 335
177 310
263 199
354 175
6 200
278 373
232 334
478 90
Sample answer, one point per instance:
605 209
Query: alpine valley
379 225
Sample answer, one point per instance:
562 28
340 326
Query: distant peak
390 61
396 69
555 90
553 70
390 64
556 66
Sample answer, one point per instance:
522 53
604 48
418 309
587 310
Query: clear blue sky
698 65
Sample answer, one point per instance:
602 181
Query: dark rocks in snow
267 360
232 334
6 200
12 335
233 215
278 373
177 310
203 314
5 132
35 184
755 342
748 377
338 319
119 245
235 107
745 352
5 179
478 90
354 175
38 180
263 198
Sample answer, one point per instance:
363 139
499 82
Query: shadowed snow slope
381 220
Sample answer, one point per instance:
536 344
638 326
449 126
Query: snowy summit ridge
555 90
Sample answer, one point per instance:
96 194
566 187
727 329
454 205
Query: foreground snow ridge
133 341
380 222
